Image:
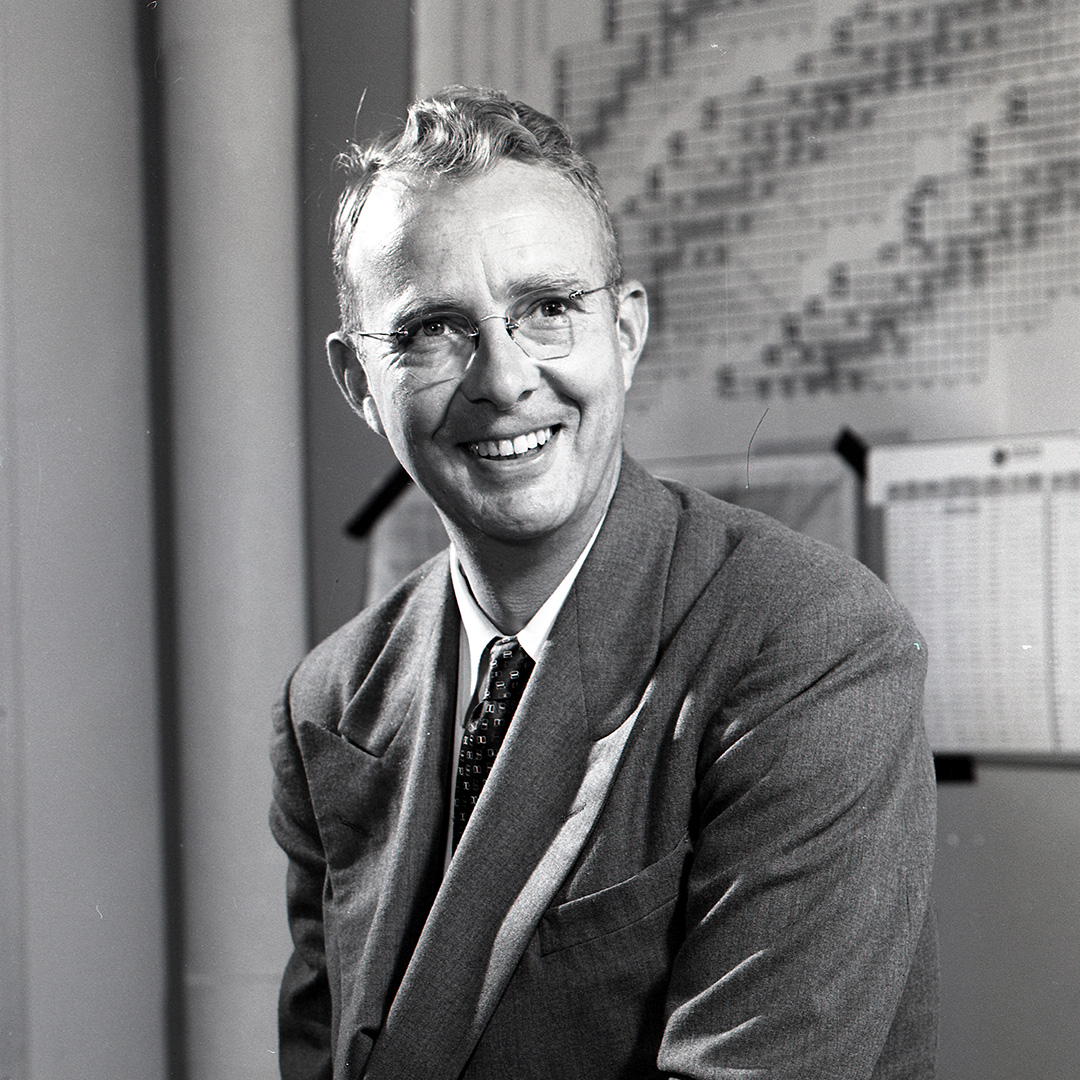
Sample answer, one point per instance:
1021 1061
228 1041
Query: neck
511 580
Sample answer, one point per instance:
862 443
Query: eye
553 307
431 328
436 326
544 310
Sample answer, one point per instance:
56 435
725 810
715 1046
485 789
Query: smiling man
628 782
513 445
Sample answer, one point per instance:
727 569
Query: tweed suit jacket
704 849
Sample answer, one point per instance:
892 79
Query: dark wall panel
350 49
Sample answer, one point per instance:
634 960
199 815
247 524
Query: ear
633 326
352 379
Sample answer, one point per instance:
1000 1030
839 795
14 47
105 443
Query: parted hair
459 132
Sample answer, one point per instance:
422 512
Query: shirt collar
479 629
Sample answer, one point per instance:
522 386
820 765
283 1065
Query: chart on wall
861 214
980 543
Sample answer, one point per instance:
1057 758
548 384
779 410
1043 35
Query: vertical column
82 929
230 137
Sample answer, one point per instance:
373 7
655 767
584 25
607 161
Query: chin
509 527
516 531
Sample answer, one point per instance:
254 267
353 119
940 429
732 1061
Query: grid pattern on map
835 198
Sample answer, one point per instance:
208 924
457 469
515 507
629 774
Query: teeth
505 448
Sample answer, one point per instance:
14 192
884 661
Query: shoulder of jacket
340 662
766 559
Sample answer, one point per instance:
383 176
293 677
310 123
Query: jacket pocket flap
617 906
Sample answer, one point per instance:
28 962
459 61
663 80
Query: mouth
532 442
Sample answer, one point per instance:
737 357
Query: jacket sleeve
808 891
304 1005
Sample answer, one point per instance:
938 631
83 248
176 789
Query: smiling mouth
519 446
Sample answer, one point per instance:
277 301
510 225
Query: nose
500 373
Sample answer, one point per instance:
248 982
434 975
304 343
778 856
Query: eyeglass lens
541 326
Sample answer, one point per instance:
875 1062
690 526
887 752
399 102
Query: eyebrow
537 282
422 306
560 282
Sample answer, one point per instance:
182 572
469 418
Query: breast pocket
616 907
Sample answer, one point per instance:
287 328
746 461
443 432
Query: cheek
417 410
600 389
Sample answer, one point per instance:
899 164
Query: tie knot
509 666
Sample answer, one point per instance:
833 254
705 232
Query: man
704 845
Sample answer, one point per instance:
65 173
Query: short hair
459 132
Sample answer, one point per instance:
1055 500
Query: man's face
508 447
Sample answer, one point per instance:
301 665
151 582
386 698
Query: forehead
513 223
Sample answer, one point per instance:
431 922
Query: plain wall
228 76
84 949
1005 884
153 593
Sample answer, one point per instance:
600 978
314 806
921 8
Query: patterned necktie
509 667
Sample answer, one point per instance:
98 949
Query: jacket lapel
380 788
544 795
